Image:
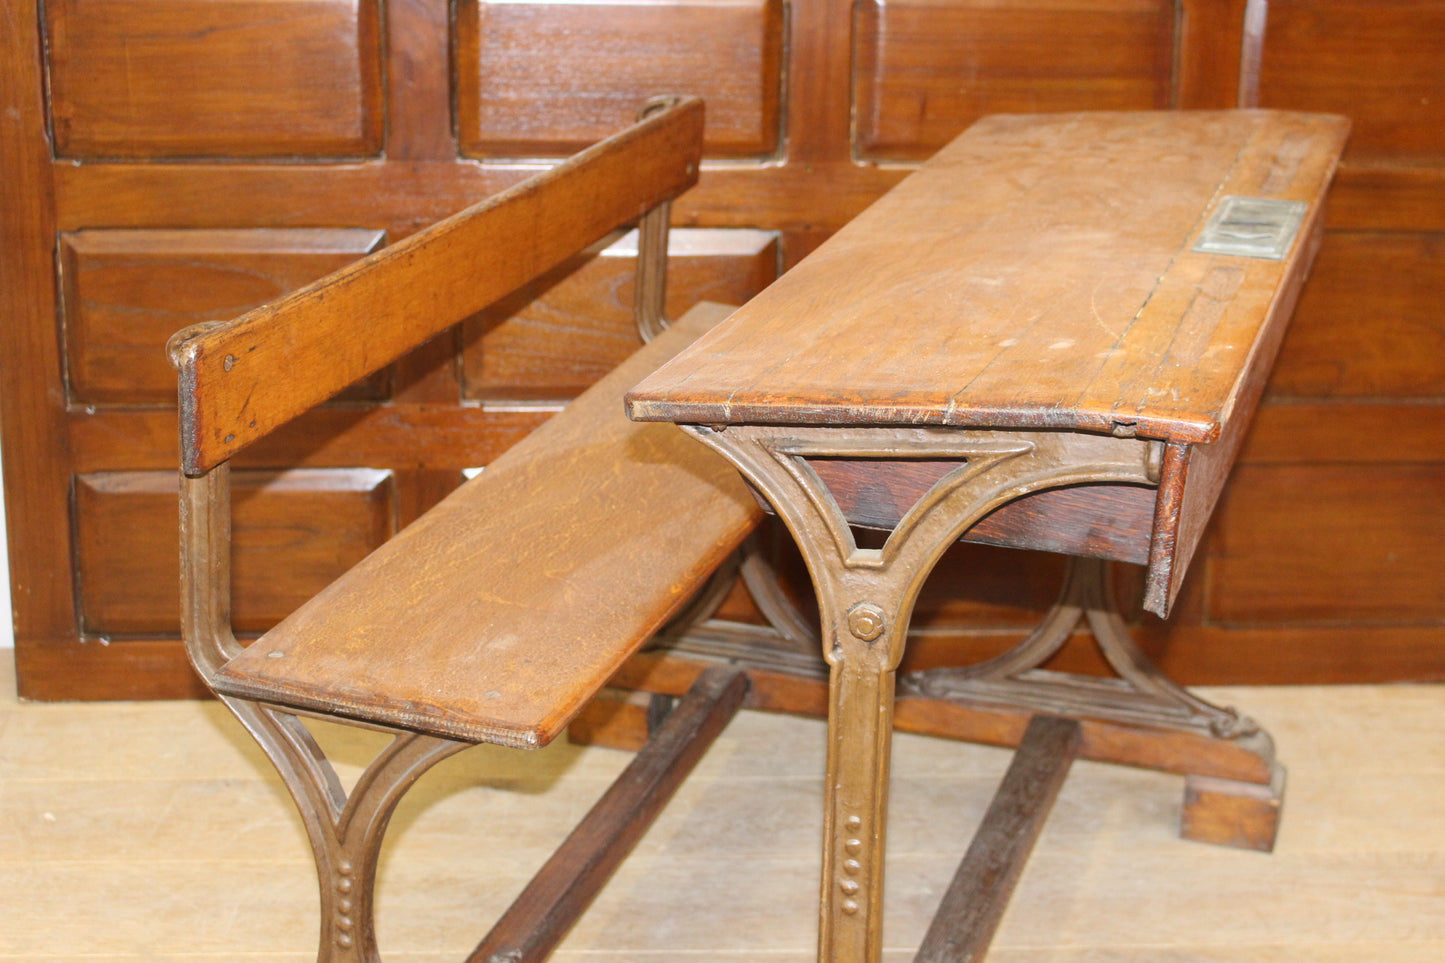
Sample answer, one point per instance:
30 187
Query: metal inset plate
1252 227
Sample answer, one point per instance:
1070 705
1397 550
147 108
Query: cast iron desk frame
1032 318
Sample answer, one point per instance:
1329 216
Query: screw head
866 621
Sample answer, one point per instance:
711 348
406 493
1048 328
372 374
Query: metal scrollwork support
345 830
1141 694
866 597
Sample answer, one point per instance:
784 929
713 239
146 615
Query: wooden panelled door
164 162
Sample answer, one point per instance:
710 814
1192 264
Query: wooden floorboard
157 832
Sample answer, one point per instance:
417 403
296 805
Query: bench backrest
243 378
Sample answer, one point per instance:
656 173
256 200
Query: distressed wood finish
1056 298
1373 59
499 613
1079 346
505 607
466 259
1029 311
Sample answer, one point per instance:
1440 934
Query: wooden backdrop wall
170 161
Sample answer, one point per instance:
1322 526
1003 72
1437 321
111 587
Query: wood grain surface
1378 62
1055 55
545 79
294 533
172 79
124 293
550 339
1037 273
497 615
976 900
1358 381
422 285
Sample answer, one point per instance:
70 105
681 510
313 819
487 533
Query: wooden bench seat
500 612
497 615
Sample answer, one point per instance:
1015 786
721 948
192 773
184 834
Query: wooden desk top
1038 272
1044 272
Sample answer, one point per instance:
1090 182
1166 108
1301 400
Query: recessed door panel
552 339
294 533
219 79
1330 543
924 70
124 293
543 79
1369 324
1379 63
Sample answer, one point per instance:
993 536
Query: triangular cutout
887 494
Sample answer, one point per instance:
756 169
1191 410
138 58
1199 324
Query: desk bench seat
500 612
497 615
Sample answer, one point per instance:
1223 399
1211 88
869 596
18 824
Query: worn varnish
587 535
1055 302
503 609
1036 273
470 252
279 149
1039 273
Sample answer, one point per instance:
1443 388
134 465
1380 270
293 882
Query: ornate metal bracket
1140 695
345 829
866 597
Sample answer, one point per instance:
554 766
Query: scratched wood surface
422 285
1036 273
1356 392
499 613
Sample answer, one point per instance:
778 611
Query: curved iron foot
1141 694
346 830
1226 811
